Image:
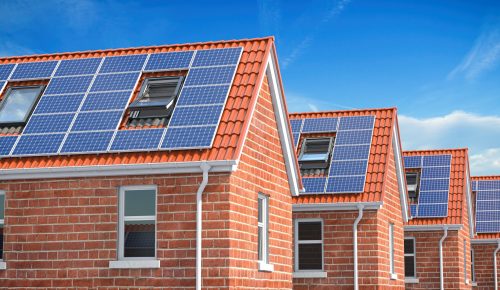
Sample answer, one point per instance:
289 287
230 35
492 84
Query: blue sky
438 62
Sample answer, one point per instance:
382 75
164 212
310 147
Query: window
137 223
263 232
465 262
391 251
18 104
156 99
472 265
315 153
308 245
2 213
410 258
412 182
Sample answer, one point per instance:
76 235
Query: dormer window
18 104
315 153
156 99
412 182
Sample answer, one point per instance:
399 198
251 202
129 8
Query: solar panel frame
58 104
34 70
97 121
123 63
217 57
346 184
436 172
314 184
351 138
106 101
68 85
77 67
219 75
320 125
487 206
87 142
136 140
6 144
432 210
412 161
39 144
351 152
176 138
157 61
348 168
115 82
296 125
205 95
6 70
356 123
48 123
196 116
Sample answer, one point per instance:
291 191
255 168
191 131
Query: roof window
412 182
315 153
18 104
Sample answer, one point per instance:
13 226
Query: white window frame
32 106
414 255
465 262
392 267
320 273
3 265
473 265
264 264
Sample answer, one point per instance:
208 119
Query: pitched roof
378 158
230 133
457 190
484 235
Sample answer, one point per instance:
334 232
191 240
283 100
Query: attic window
412 182
315 153
156 99
18 104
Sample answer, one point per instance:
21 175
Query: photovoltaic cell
437 160
203 95
210 76
95 121
169 61
433 210
319 125
34 70
353 137
193 137
436 172
87 142
314 185
413 210
6 143
433 197
488 185
2 83
356 123
191 116
351 152
296 137
213 57
346 184
115 82
106 101
488 195
474 185
296 125
492 205
59 104
488 206
48 123
5 70
74 67
38 144
347 168
491 216
434 184
413 161
126 63
488 227
137 139
68 85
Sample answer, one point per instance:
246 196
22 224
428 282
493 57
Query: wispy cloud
270 15
9 48
298 103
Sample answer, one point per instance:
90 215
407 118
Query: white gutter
468 195
355 245
118 170
427 228
205 167
336 206
441 266
484 241
495 267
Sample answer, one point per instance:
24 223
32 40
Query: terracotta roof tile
484 235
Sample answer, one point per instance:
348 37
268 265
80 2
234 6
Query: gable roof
484 235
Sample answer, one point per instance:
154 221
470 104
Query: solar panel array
349 162
487 205
84 102
434 184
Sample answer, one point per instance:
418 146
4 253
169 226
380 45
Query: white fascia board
400 172
485 241
304 207
468 196
427 228
117 170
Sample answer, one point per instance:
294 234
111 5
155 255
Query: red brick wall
483 254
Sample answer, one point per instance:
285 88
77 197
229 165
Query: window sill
263 267
134 264
411 280
394 276
474 284
3 265
310 274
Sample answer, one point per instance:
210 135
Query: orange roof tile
484 235
379 152
228 140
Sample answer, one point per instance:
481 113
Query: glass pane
140 202
18 104
310 257
313 156
2 206
260 244
1 241
261 204
411 178
139 239
310 231
409 266
409 246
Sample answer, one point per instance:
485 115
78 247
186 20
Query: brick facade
483 259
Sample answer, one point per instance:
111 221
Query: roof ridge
343 111
435 150
486 177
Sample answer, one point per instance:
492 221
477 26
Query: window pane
310 257
310 231
261 204
140 202
260 243
411 178
139 239
409 246
2 206
314 156
18 104
409 266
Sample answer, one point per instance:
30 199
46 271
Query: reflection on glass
139 239
18 104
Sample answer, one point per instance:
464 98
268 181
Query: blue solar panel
126 63
356 123
413 210
49 123
34 70
203 95
488 216
488 185
346 184
6 143
68 85
106 101
437 160
413 161
296 125
192 137
344 168
434 184
59 104
212 57
353 137
74 67
115 82
432 197
87 142
137 139
191 116
492 205
296 137
38 144
314 185
95 121
351 152
5 70
488 195
169 61
1 85
319 125
210 76
474 185
436 172
488 227
432 210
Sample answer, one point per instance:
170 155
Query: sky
438 62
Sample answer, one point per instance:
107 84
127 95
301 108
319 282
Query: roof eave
426 228
343 206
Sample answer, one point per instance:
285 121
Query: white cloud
481 134
298 103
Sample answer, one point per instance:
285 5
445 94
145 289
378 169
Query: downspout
199 211
355 233
495 266
441 270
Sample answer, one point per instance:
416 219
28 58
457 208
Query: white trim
297 242
392 267
400 173
265 267
427 228
117 170
265 228
473 265
310 274
484 241
134 264
336 206
468 196
411 281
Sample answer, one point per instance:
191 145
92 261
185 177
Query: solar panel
432 210
34 70
433 197
488 195
213 57
354 137
6 143
115 82
314 185
188 137
5 70
210 76
351 152
348 168
296 125
487 206
106 101
38 144
95 121
488 227
413 210
488 185
59 104
192 116
68 85
296 139
356 123
53 123
319 125
126 63
203 95
413 161
169 61
488 216
437 160
346 184
474 185
137 139
434 184
87 142
2 83
436 172
74 67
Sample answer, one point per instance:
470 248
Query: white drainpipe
495 266
441 270
199 211
355 233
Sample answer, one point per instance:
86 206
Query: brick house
348 224
111 180
486 242
437 238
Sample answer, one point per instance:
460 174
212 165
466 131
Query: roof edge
425 228
486 177
485 241
433 151
301 207
297 114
